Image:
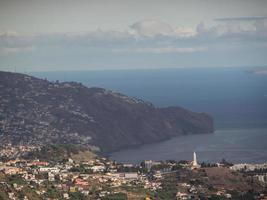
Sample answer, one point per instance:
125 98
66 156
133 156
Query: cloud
250 28
224 29
152 28
12 50
150 35
162 50
235 31
185 32
247 18
261 26
16 49
146 36
8 34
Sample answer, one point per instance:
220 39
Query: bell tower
194 164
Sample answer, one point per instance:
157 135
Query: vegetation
81 169
117 196
226 163
3 194
127 169
52 193
17 179
77 196
168 190
162 166
82 155
139 189
216 197
61 152
30 193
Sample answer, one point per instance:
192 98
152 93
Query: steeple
194 159
194 164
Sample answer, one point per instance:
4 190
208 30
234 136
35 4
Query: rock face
36 111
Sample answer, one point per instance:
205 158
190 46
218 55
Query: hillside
36 111
60 152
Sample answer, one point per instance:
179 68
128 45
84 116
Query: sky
38 35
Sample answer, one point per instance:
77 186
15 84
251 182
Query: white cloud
246 18
261 25
8 34
185 32
152 28
242 29
162 50
147 36
12 50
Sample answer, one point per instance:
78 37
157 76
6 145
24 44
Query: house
98 168
80 183
181 196
38 163
13 170
130 175
49 169
66 196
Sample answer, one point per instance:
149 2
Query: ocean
234 97
235 145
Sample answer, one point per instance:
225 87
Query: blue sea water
235 145
235 98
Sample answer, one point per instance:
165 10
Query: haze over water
235 98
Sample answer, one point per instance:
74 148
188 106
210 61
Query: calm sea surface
235 145
235 98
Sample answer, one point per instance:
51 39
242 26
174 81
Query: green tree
77 196
118 196
52 193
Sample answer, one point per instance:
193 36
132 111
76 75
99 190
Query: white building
49 169
128 175
98 168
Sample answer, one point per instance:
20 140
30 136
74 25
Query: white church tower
194 164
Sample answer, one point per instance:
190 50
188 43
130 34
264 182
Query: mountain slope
36 111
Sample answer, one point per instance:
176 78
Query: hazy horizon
31 72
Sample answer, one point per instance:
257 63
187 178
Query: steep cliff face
36 111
